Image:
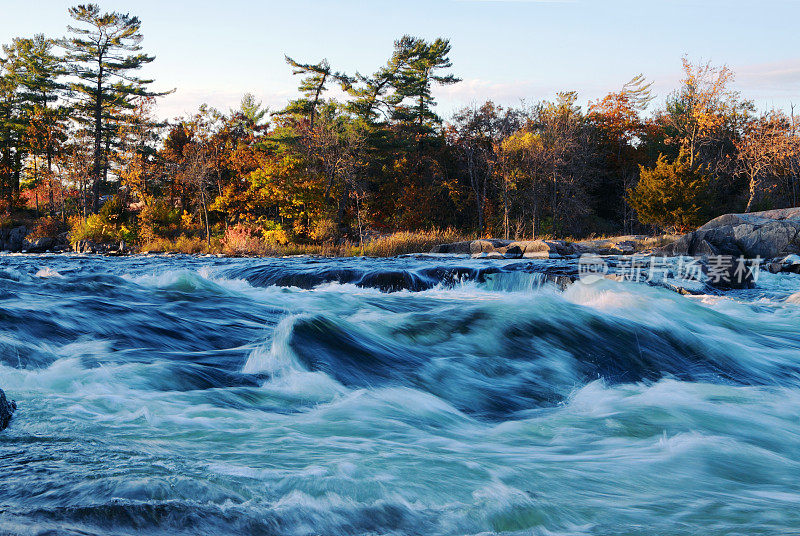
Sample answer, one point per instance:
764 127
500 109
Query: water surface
435 396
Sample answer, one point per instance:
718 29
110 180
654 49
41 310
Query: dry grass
403 242
656 242
398 243
182 244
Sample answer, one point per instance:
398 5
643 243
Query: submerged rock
789 264
6 410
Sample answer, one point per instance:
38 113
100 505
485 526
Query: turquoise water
182 395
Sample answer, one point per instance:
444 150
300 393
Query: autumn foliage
342 173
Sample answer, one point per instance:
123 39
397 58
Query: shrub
275 236
97 229
241 239
407 242
158 219
323 230
114 211
46 227
186 244
671 195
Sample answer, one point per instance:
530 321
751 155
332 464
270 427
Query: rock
619 245
487 245
84 246
512 252
543 249
488 255
768 234
39 245
13 239
789 264
6 410
470 247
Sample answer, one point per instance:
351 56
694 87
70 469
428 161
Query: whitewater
419 395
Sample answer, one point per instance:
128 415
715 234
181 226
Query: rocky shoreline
772 237
7 409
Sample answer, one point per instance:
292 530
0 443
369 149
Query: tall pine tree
103 54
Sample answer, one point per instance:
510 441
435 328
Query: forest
84 153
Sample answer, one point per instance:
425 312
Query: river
408 396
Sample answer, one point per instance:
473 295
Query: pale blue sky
503 49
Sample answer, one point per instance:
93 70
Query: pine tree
12 128
313 85
103 56
418 63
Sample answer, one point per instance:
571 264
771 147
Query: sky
505 50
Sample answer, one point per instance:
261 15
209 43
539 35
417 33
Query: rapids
411 396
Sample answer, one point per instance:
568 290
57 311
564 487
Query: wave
445 396
495 357
500 277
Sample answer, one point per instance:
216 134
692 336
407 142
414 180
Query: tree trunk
752 197
505 209
97 167
342 210
205 213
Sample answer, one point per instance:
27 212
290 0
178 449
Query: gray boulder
471 247
13 239
620 245
6 410
39 245
543 249
727 272
768 234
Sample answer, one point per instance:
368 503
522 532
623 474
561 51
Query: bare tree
768 155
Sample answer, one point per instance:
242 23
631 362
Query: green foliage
97 229
111 224
158 219
671 195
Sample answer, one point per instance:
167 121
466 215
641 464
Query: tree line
81 146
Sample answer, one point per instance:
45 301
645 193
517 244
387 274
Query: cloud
776 78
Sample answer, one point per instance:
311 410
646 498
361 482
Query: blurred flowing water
420 396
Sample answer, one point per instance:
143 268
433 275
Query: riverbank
377 245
